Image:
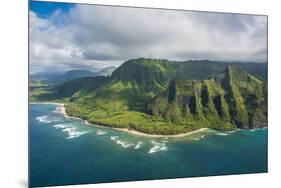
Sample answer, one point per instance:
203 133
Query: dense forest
166 97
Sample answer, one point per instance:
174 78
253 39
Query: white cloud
94 37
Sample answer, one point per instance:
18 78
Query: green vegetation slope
168 97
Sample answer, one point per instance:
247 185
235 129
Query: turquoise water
67 151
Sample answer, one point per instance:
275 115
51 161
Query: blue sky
65 36
46 9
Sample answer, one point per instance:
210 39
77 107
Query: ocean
66 151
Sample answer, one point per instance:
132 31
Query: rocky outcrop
232 98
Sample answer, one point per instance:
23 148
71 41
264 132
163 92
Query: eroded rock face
231 97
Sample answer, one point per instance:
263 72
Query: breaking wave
43 119
62 126
124 144
221 134
158 146
199 137
73 133
138 145
114 138
58 109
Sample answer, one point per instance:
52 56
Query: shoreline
130 131
56 103
134 132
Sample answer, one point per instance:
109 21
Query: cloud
98 36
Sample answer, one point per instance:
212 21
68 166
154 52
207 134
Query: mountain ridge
59 78
213 100
126 99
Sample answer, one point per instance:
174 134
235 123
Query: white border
13 77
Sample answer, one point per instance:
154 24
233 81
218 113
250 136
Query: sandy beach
131 131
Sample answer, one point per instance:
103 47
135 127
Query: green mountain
59 78
168 97
137 81
232 98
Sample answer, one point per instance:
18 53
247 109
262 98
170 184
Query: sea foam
43 119
199 137
158 146
57 110
62 126
124 144
138 145
73 133
221 134
114 138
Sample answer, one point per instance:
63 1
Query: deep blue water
67 151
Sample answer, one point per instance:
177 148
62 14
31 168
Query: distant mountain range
58 78
168 97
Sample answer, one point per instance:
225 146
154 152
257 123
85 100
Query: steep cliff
232 98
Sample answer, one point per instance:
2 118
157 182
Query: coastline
130 131
56 103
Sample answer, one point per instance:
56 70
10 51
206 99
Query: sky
66 36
